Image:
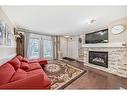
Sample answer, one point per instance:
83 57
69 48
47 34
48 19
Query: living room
63 47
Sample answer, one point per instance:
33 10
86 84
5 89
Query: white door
63 46
73 48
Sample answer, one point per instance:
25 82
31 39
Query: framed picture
13 39
5 34
8 36
1 33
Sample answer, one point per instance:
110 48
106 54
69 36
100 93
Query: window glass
34 48
47 48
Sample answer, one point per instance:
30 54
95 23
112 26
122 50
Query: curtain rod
30 31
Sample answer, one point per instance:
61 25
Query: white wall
6 52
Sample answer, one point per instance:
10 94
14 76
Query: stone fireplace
99 58
115 58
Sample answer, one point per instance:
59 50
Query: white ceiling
64 20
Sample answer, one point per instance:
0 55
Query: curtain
26 44
56 46
20 45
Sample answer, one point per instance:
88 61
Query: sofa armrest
34 82
40 61
43 62
33 61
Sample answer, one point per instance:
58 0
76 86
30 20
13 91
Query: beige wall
6 52
122 37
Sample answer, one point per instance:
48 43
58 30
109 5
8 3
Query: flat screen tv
97 37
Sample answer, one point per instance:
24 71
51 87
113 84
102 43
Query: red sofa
21 73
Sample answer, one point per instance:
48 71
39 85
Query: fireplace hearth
98 58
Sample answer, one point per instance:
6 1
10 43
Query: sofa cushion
46 81
25 60
6 72
15 63
34 72
34 66
19 74
20 57
24 66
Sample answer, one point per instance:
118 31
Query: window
47 48
40 47
34 48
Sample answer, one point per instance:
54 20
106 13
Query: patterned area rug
62 74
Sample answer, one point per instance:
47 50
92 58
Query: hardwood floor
96 79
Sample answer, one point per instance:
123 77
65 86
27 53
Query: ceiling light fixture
90 21
66 36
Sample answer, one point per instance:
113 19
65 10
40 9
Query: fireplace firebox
98 58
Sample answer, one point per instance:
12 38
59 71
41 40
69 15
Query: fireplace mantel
115 44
